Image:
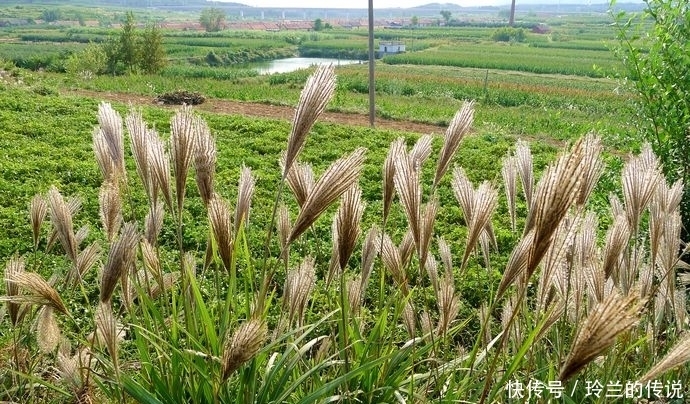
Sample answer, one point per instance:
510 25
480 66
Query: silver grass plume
334 263
432 270
446 256
525 168
300 179
349 219
396 149
676 356
160 167
39 291
110 134
426 225
393 263
110 208
459 126
554 194
354 295
337 179
599 330
448 303
509 173
317 92
38 209
85 261
220 217
242 345
151 261
107 329
409 319
120 259
245 191
299 283
284 226
13 267
593 167
153 223
587 261
406 248
205 162
47 330
617 239
421 151
370 249
61 218
640 177
409 191
140 139
184 128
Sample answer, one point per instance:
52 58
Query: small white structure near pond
391 47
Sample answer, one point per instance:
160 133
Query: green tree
318 24
153 58
446 16
654 47
51 15
90 61
212 19
128 51
414 21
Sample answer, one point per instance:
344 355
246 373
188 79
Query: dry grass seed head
676 356
47 330
14 266
509 174
448 304
354 295
140 137
525 168
426 231
85 261
205 162
284 226
110 208
39 291
393 262
299 283
153 223
120 259
184 128
370 249
396 149
242 345
593 167
150 258
410 319
446 256
459 126
608 319
406 248
38 209
317 92
220 216
245 191
337 179
110 123
160 168
61 218
432 270
107 329
300 179
484 201
616 240
421 151
640 177
409 191
348 221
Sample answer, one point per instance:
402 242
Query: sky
365 4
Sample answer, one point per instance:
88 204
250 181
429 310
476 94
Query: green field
251 320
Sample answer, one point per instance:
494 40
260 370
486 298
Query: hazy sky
362 3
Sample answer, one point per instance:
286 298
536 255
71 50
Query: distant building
391 47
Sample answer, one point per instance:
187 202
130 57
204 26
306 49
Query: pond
292 64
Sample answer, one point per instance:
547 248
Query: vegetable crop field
525 248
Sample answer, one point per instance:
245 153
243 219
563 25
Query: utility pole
372 87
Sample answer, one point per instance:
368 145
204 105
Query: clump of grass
262 328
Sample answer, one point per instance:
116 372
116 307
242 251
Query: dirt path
219 106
